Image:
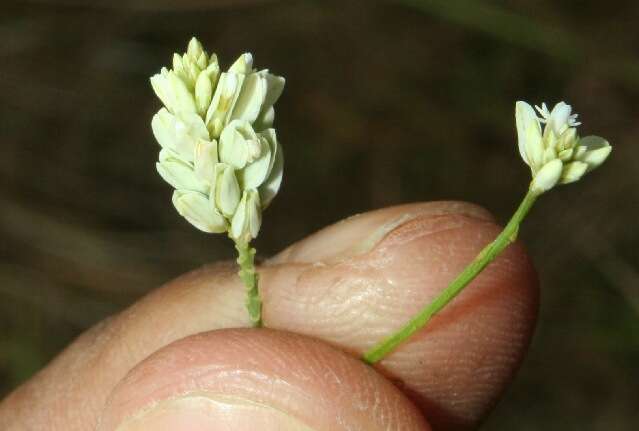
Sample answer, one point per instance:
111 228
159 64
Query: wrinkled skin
174 357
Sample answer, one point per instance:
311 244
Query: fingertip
256 379
458 366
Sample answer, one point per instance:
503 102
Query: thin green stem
246 261
487 255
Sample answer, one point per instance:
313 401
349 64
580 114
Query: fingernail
207 413
362 233
433 222
370 241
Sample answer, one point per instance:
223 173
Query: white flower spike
556 154
219 150
216 136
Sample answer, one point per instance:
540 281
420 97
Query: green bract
219 151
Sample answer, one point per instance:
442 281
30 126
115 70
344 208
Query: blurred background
386 103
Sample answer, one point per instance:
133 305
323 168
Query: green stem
487 255
246 261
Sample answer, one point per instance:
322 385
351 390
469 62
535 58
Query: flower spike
556 154
219 150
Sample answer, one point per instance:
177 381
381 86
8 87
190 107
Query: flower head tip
554 152
218 148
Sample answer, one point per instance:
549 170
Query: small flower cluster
556 154
219 150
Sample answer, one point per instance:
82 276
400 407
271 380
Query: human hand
326 299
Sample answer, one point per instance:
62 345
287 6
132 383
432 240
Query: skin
179 358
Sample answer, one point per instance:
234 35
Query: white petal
179 174
195 48
226 189
205 160
179 133
558 120
163 126
189 129
248 217
254 174
597 150
196 208
567 140
254 213
243 65
549 155
203 92
213 61
160 85
566 155
251 98
178 64
202 60
271 185
529 135
173 92
275 87
233 148
224 99
234 145
547 177
572 172
238 222
265 119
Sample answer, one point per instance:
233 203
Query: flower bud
243 65
596 151
197 209
567 140
238 143
248 217
225 191
549 154
178 173
205 160
224 98
271 185
173 92
259 162
204 85
566 155
572 172
529 135
195 49
251 99
179 133
547 177
557 155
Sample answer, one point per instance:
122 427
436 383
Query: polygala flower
218 148
555 153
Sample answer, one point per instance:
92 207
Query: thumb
247 379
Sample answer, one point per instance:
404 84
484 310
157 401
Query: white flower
244 94
248 217
197 209
556 154
220 186
173 91
179 133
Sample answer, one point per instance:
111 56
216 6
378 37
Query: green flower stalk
555 155
219 150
